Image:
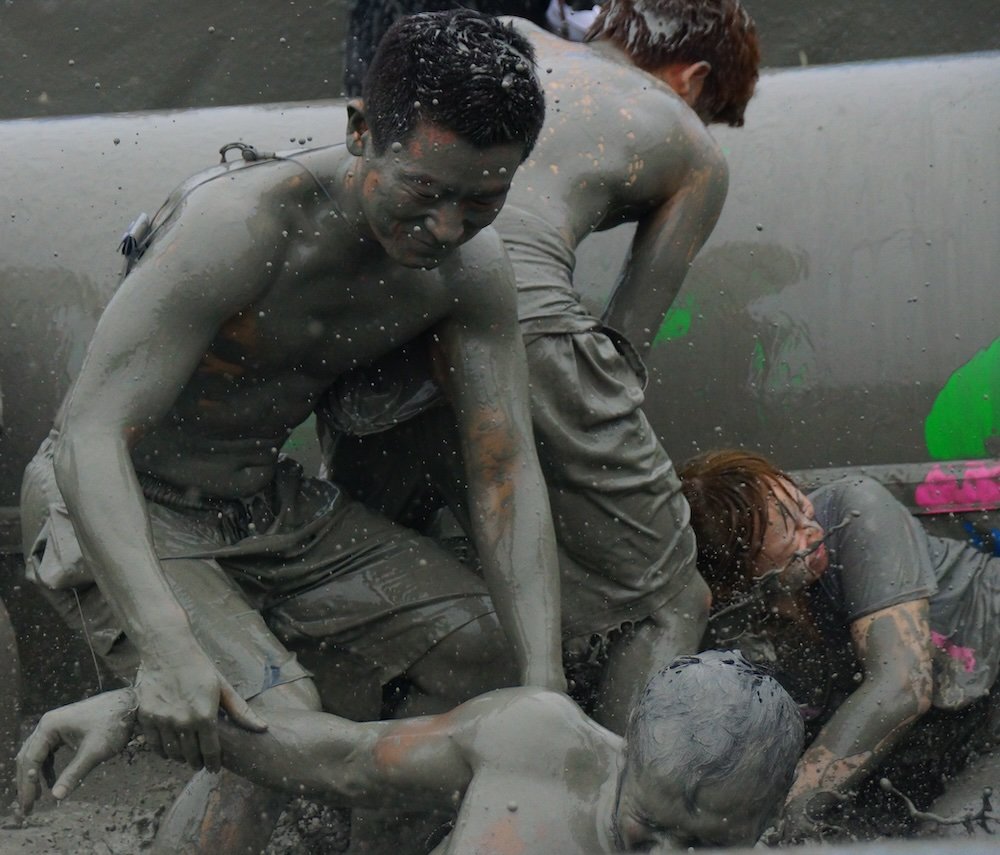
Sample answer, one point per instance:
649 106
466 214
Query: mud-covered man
625 140
214 557
706 760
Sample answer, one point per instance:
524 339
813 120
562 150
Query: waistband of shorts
237 518
542 327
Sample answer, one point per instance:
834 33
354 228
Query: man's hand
179 698
96 729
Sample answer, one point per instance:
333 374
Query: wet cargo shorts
297 566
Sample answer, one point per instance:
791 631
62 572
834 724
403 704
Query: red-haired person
868 619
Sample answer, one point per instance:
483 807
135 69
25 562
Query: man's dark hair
655 33
369 20
460 70
716 719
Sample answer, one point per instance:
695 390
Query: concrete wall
87 56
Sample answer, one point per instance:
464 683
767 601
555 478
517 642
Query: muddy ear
357 127
699 71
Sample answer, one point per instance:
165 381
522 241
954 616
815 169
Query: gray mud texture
118 809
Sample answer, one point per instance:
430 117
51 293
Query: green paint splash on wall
758 362
966 411
677 322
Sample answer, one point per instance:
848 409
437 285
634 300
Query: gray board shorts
299 566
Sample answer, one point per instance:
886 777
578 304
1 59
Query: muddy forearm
516 545
102 494
894 648
305 753
405 764
852 743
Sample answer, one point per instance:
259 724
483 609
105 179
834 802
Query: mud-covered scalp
461 70
655 33
728 492
714 720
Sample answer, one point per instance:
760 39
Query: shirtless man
262 280
625 140
706 760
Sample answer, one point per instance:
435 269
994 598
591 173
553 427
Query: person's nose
810 533
446 224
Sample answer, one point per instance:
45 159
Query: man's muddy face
425 197
793 541
651 815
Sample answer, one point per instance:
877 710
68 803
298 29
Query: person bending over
161 516
625 140
871 620
706 760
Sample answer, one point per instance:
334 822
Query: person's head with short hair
712 43
710 753
459 70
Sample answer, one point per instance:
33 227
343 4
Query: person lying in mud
625 140
871 621
194 556
706 760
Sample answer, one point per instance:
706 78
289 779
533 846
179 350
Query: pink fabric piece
965 655
978 489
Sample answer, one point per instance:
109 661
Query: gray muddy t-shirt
882 556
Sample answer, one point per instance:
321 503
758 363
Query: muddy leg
470 661
10 679
673 630
224 813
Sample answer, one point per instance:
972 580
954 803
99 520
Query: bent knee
473 659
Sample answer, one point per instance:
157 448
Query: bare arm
416 763
508 501
894 648
146 346
666 242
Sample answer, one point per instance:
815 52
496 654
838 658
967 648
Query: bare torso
629 135
268 363
543 782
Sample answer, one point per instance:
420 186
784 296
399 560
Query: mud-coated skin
258 290
523 770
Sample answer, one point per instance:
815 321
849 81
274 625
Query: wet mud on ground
117 811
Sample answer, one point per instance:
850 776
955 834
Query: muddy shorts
616 498
622 524
301 566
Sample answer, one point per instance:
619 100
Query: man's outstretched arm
486 375
668 238
417 763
